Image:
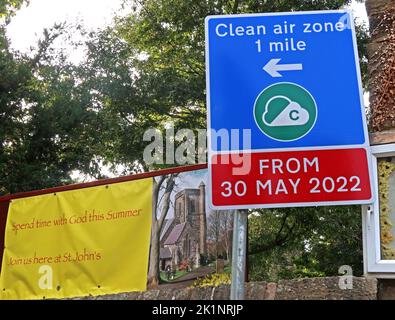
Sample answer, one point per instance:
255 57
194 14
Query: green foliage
304 242
173 275
44 114
149 68
9 7
110 75
363 37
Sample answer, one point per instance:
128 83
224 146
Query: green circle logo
285 111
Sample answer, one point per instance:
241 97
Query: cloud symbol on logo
292 115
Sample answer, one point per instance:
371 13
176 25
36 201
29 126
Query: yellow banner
90 241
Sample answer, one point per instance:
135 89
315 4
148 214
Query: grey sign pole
239 254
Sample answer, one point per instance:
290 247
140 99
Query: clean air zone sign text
292 81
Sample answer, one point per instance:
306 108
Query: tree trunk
153 271
381 51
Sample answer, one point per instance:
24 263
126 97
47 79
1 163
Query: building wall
188 208
179 208
167 233
186 248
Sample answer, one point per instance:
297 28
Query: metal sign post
239 253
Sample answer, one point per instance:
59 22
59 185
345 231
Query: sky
27 26
360 11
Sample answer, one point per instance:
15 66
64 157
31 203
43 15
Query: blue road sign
293 79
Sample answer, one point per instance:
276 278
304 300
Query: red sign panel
290 178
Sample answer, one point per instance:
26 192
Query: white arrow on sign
273 68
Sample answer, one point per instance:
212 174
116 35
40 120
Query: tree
227 227
149 69
8 7
304 242
219 231
47 126
160 206
214 230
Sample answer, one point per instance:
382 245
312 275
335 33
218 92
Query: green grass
177 275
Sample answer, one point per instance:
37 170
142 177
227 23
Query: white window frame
373 264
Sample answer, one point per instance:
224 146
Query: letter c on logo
291 115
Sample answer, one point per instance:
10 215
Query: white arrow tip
271 68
